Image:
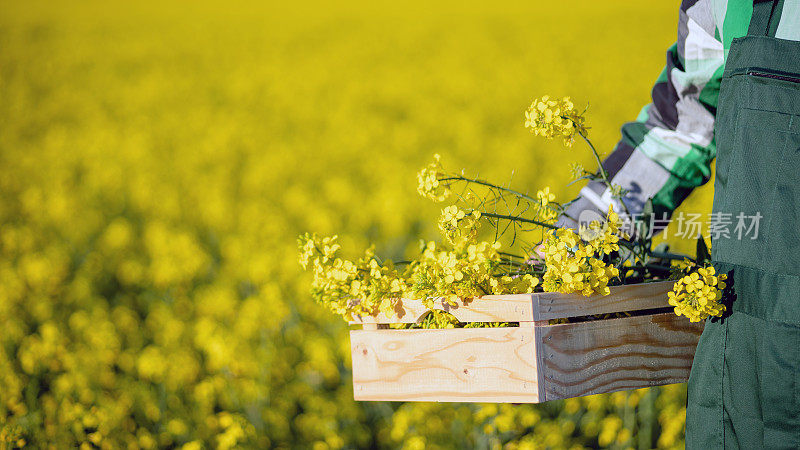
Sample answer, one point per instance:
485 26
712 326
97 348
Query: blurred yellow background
158 160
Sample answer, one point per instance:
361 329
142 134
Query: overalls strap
766 16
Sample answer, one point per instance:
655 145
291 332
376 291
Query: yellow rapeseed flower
573 264
697 295
545 196
551 118
429 184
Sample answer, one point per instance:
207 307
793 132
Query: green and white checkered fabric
667 151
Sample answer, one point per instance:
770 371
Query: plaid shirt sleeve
668 150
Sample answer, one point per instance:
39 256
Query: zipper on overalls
774 76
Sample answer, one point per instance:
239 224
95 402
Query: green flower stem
602 170
635 248
665 255
511 255
511 262
646 267
638 251
511 274
658 267
490 185
518 219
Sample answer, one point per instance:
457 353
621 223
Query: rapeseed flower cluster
361 287
544 208
463 268
459 227
697 295
465 271
551 118
466 268
575 265
429 181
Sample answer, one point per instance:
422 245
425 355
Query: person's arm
668 150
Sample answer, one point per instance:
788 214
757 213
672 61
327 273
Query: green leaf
703 254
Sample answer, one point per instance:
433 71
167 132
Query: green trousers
744 388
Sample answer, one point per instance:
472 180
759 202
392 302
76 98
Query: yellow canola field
157 162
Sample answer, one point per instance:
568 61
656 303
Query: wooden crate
532 363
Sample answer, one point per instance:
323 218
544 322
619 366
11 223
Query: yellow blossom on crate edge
697 294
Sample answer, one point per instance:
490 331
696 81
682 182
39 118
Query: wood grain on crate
526 364
459 365
534 307
610 355
632 297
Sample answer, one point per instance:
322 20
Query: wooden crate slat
489 308
532 307
633 297
452 365
609 355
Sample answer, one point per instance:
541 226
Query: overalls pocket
756 153
783 230
761 159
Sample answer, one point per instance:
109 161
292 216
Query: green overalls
744 388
